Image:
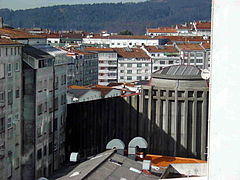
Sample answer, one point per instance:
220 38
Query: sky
26 4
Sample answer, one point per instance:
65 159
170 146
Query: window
146 65
56 103
121 77
170 62
139 78
121 71
190 93
129 77
2 71
2 124
39 154
45 107
10 97
2 97
162 62
199 60
129 65
139 65
155 68
139 71
9 122
17 93
9 70
39 109
50 150
6 51
122 65
45 150
129 71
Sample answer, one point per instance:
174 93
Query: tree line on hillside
114 17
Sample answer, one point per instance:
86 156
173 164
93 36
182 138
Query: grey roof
107 165
36 53
78 92
180 72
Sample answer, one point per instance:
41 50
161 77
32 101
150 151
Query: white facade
132 69
107 67
122 42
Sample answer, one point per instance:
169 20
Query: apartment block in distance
85 67
10 109
107 65
133 64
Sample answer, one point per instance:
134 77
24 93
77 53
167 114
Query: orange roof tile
203 25
169 49
164 161
4 41
78 87
162 30
134 53
18 34
206 45
190 47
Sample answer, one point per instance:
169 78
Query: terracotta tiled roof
164 161
4 41
183 38
18 34
203 25
103 89
162 30
189 47
206 45
134 53
78 87
169 49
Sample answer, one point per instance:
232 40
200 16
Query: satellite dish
205 74
75 99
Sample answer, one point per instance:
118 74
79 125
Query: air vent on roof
133 144
116 144
127 49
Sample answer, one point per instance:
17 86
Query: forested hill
114 17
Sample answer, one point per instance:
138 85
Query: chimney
1 22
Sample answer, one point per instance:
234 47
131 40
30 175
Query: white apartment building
120 41
193 54
162 56
10 109
133 65
85 67
107 65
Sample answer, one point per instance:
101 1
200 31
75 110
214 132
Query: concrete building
10 109
85 67
194 54
39 106
162 56
60 66
175 105
133 64
107 65
202 28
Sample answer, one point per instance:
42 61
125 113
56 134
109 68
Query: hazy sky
25 4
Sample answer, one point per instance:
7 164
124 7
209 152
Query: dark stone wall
91 125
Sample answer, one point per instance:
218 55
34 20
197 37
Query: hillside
110 16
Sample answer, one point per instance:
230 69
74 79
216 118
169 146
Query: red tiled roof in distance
203 25
18 34
134 53
162 30
206 45
189 47
164 161
78 87
169 49
4 41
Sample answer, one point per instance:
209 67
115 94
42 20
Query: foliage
114 17
126 32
